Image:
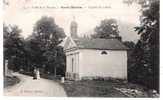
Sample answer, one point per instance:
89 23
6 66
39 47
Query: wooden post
62 79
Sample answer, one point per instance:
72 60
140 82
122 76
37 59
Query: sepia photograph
81 48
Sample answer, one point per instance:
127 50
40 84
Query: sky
25 13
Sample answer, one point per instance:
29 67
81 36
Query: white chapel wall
75 56
114 64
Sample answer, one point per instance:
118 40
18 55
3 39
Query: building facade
95 58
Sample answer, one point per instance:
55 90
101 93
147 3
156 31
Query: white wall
92 63
69 56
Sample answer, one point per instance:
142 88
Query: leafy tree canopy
108 28
146 52
13 47
129 44
46 27
13 42
44 44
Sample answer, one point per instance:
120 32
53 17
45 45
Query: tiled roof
110 44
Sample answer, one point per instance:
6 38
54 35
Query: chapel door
72 64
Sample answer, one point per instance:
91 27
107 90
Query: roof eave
102 49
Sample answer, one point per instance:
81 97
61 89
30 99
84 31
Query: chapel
94 58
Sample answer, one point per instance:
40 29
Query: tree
47 28
130 60
149 39
129 44
44 44
13 46
108 28
136 59
143 3
61 61
149 31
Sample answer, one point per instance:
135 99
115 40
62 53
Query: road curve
30 87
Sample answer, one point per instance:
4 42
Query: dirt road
30 87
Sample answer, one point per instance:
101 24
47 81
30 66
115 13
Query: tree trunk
55 71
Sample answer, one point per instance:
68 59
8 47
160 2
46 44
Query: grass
91 88
10 81
101 88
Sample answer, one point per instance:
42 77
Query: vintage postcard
81 48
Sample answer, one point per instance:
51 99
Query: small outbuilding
94 58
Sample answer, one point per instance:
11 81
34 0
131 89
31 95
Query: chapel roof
102 44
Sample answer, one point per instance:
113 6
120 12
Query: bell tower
73 28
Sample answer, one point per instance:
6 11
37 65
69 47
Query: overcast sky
24 14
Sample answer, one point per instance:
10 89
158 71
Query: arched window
104 53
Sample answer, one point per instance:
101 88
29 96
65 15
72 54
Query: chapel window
104 53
